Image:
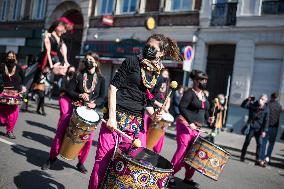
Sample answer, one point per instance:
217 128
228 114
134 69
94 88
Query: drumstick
173 86
202 131
136 142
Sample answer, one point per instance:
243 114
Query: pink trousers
105 150
159 145
9 115
66 110
185 137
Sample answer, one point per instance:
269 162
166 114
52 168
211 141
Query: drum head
146 158
87 114
168 117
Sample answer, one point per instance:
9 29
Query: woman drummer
194 108
159 100
12 77
129 93
86 87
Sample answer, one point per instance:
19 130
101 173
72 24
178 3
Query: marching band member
87 87
12 77
194 109
129 94
163 91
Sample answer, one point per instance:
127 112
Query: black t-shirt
274 113
131 96
193 109
15 81
75 87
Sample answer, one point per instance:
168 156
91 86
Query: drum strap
116 146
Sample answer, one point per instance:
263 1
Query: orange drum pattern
207 158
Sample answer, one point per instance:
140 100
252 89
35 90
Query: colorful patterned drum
157 130
10 97
207 158
82 123
137 168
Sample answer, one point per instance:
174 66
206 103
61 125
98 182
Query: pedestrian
39 87
194 109
87 86
274 115
130 93
177 95
257 124
12 78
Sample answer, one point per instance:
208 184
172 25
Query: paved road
20 163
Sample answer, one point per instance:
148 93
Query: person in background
257 125
274 115
12 78
177 95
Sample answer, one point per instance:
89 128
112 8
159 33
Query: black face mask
149 52
11 61
71 74
202 86
89 64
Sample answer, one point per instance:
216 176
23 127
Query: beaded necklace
94 82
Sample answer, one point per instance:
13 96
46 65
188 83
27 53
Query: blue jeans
271 138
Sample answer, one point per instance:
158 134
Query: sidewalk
233 142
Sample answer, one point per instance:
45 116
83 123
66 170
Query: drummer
85 87
129 93
163 91
194 108
12 77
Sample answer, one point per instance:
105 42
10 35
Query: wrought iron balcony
224 14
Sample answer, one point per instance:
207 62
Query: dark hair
54 25
14 54
274 96
97 58
197 74
167 45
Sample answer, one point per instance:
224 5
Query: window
105 7
272 7
39 9
4 10
179 5
224 13
127 6
17 9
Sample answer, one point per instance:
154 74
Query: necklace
94 82
200 95
12 72
148 84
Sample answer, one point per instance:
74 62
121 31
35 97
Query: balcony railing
224 14
272 7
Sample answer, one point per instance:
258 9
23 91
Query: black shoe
38 112
81 168
190 182
43 113
10 135
171 183
242 159
48 164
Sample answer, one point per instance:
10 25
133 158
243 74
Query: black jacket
258 117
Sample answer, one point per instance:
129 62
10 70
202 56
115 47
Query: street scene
142 94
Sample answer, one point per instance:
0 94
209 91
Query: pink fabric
105 150
66 110
185 137
147 122
9 116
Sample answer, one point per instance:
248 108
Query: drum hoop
218 147
86 121
147 167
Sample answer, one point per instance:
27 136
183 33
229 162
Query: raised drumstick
173 86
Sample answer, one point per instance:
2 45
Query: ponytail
173 50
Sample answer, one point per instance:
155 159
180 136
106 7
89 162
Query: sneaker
48 164
81 168
260 163
267 159
171 183
190 182
10 135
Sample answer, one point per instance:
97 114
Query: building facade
245 40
